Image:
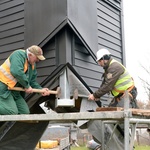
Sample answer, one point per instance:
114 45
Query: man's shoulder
117 66
19 51
18 54
117 63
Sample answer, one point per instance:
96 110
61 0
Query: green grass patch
142 147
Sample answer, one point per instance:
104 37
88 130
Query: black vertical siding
20 26
42 19
46 67
109 28
86 66
11 26
109 34
82 14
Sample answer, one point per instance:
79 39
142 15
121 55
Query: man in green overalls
19 70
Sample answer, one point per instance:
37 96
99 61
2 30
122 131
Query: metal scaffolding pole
113 115
126 121
139 121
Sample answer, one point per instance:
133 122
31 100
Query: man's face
101 62
33 59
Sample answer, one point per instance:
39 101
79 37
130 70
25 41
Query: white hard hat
102 52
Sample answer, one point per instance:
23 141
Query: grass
142 147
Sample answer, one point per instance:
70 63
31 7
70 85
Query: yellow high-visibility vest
124 82
5 75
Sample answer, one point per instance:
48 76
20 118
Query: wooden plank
141 112
109 109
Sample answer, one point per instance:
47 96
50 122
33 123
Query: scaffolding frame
107 117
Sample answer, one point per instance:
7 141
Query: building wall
109 28
109 35
59 27
11 27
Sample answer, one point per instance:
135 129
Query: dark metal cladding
69 32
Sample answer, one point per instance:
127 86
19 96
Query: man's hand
91 97
45 92
29 90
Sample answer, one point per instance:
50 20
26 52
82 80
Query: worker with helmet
116 79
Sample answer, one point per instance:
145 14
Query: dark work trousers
118 101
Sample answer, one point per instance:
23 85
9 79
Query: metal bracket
64 100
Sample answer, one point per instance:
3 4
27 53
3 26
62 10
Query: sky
137 41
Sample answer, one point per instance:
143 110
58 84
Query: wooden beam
109 109
139 112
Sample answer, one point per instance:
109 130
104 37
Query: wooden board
140 112
109 109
